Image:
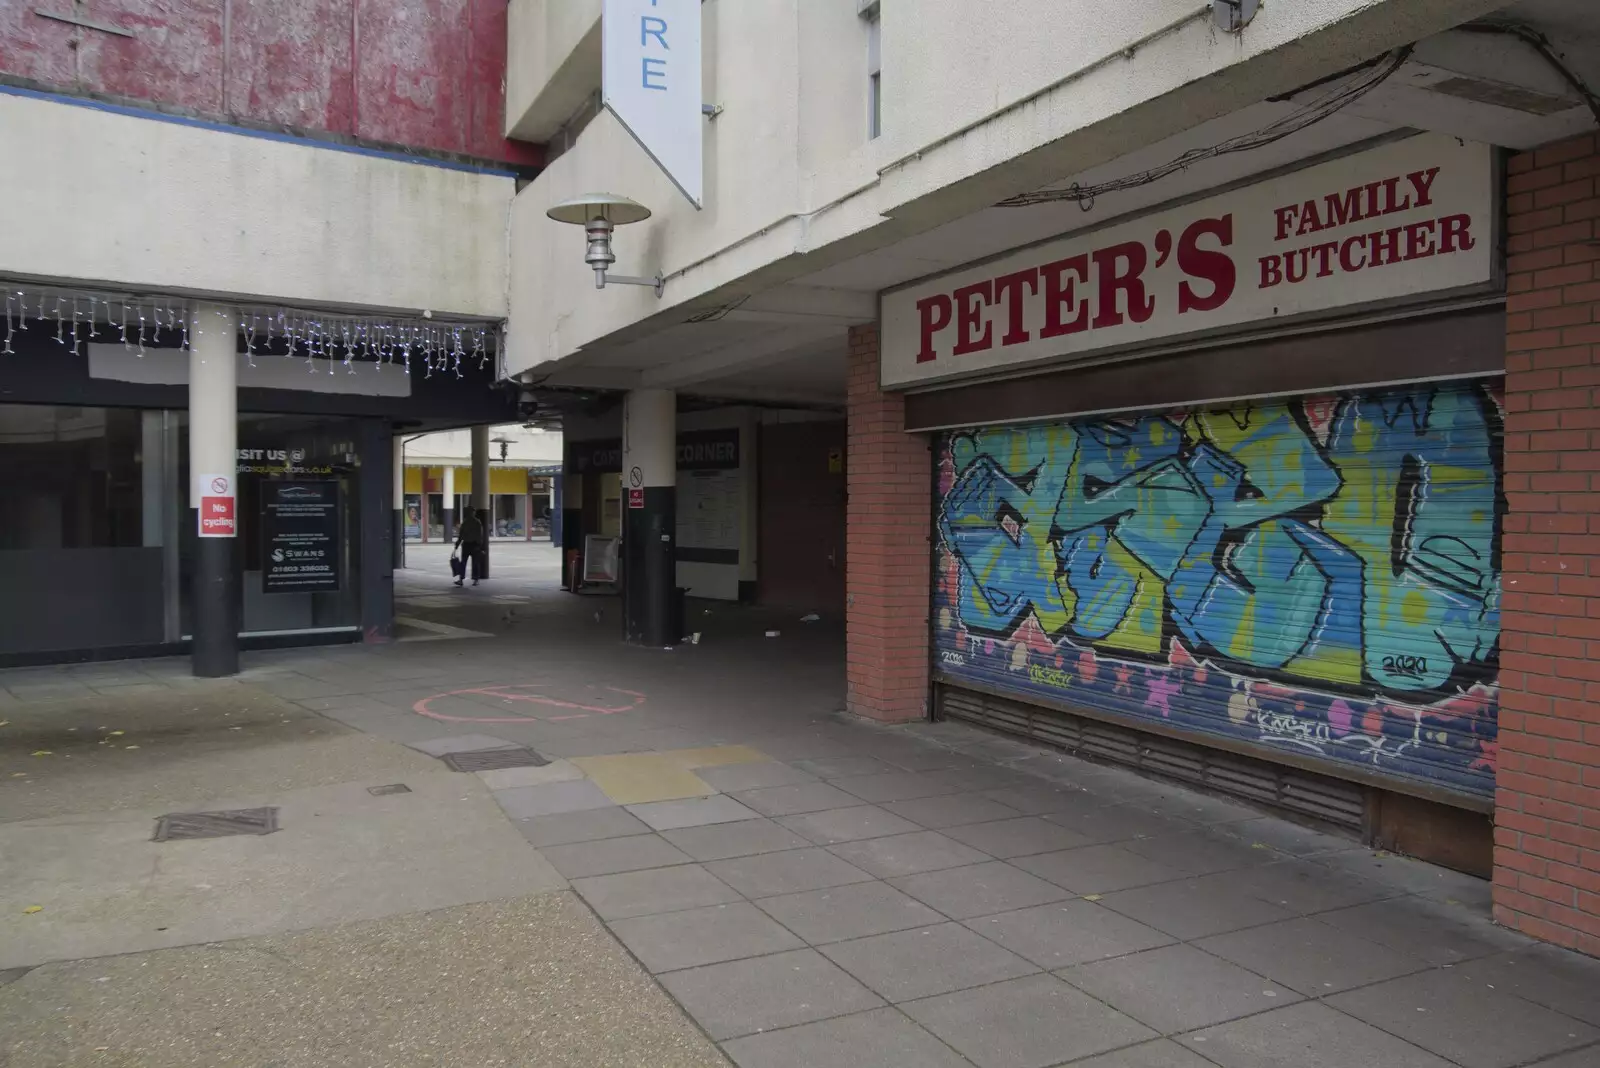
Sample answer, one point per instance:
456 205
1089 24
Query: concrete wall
142 203
554 50
975 109
417 73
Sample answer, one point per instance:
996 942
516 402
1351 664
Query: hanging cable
1540 44
1328 104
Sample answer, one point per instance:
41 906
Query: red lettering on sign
1060 296
1120 269
970 303
1207 265
934 312
1009 288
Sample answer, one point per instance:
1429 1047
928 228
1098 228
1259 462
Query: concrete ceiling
789 343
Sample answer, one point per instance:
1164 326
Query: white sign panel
1406 220
650 53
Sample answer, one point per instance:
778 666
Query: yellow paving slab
639 778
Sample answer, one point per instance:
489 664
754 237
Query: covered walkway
808 890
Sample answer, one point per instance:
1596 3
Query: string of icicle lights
334 339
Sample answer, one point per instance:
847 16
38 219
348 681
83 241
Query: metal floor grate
494 759
177 826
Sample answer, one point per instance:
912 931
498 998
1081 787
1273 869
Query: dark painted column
650 513
558 508
480 488
214 469
374 539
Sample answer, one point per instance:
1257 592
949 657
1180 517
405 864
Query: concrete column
214 470
480 488
399 493
448 488
377 542
649 517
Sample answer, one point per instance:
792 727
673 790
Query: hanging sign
216 496
1409 221
650 58
299 537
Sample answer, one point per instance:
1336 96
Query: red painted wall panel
425 74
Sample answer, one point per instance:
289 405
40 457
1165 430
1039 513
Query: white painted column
448 488
399 492
214 470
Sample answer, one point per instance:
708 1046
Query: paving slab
1117 823
845 767
843 912
907 854
1307 1035
979 889
797 798
585 825
1036 800
610 855
723 840
744 997
1194 908
1066 933
1311 957
511 778
709 935
896 786
643 893
881 1038
691 812
1546 976
925 961
951 810
1454 1015
1018 837
732 778
1198 852
787 872
1422 929
1161 1053
526 802
1033 1022
1100 869
1178 988
848 824
1307 888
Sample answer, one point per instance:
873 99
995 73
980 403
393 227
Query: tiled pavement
931 896
847 910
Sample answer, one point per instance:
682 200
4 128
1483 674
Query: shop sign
299 537
650 80
1409 221
698 450
216 496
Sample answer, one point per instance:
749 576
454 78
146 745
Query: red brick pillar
1547 818
886 560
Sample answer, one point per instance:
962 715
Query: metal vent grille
494 759
1288 789
178 826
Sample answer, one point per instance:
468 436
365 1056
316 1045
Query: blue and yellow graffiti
1319 573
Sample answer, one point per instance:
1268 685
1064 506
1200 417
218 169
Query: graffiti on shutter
1318 574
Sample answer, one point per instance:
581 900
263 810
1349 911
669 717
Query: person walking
469 542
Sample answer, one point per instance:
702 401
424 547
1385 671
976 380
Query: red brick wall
887 529
1547 820
800 519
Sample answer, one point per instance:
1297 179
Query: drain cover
176 826
494 759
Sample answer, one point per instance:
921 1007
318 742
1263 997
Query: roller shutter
1312 581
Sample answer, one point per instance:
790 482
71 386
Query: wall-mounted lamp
599 214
